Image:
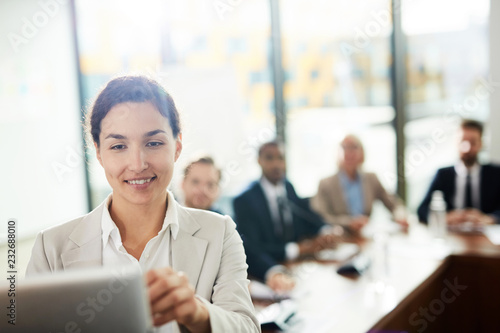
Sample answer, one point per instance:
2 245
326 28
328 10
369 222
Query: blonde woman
347 197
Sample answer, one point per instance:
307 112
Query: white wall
42 166
494 122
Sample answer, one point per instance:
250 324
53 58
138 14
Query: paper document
493 233
342 252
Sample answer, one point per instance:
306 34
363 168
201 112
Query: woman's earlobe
178 146
98 153
178 149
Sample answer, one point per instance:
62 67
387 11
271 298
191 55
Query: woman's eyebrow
146 135
115 136
153 133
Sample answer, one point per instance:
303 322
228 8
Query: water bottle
437 215
379 260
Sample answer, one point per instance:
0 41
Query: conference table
415 283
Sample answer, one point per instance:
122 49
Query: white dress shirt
156 254
272 192
460 184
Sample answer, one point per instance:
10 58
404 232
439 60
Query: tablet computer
96 300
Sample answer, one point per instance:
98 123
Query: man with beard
471 190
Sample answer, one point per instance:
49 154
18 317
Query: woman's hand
172 298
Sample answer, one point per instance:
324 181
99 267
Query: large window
336 58
213 60
447 75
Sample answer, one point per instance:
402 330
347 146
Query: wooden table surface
329 302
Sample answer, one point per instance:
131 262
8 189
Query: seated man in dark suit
274 222
471 190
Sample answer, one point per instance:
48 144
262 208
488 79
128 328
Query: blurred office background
219 61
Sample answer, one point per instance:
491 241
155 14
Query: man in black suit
275 223
471 191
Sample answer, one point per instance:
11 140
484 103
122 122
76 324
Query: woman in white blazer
193 260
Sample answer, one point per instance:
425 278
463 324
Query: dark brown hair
136 89
472 124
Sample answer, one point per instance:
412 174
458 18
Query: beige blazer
208 249
331 203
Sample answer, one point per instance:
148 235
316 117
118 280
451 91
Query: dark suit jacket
445 181
263 247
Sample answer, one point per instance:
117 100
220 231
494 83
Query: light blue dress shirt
353 191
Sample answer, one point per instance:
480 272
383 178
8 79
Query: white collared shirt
460 183
272 192
156 254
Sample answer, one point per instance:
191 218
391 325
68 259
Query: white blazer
208 249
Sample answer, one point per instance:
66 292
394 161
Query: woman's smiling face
137 151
